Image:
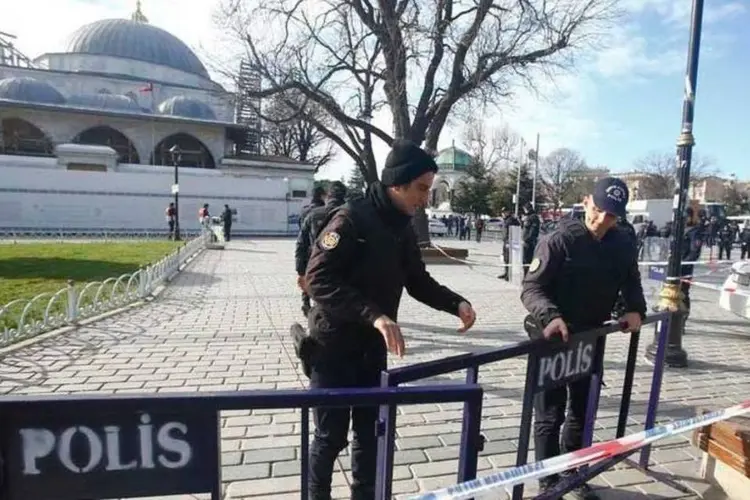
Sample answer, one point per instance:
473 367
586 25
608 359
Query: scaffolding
247 108
10 55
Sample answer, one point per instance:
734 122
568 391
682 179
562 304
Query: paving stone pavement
223 323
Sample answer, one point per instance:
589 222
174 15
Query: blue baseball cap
611 195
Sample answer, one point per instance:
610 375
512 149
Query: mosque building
93 135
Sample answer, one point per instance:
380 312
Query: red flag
147 88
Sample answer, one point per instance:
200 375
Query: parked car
735 293
494 224
437 228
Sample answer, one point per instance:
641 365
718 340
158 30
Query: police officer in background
365 255
530 235
509 220
726 241
572 285
309 232
317 200
692 246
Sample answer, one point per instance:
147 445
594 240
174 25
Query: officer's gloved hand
556 326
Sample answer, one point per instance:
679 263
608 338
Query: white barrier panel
595 453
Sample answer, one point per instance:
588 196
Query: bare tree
660 171
286 132
494 147
416 59
561 171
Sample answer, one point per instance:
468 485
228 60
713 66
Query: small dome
453 158
134 40
112 102
187 107
30 90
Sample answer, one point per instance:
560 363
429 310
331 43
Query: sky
619 103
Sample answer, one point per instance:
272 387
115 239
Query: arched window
193 153
441 193
108 136
19 137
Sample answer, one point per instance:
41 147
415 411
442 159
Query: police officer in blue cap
573 282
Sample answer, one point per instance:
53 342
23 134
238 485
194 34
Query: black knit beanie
405 162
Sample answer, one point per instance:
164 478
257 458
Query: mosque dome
133 39
30 90
186 107
112 102
453 158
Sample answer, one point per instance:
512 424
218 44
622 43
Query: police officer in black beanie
364 257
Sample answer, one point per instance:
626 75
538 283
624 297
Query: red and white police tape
593 454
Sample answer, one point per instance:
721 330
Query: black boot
549 482
582 492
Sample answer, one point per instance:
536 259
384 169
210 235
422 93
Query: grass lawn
28 269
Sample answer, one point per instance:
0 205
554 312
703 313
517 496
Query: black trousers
227 232
332 424
550 415
725 248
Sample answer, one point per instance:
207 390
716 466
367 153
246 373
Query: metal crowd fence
15 235
125 446
549 365
23 318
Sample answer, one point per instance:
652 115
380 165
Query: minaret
138 16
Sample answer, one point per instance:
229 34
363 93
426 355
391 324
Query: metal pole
518 176
671 297
536 169
176 199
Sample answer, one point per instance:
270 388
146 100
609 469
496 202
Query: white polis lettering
565 364
105 449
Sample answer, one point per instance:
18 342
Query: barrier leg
532 367
653 398
386 446
592 405
471 439
305 452
627 386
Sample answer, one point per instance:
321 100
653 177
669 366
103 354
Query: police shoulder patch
535 264
330 240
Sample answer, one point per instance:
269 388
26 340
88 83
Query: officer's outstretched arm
422 286
536 294
302 249
332 260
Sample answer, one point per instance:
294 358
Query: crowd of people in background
720 236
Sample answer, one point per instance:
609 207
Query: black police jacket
578 278
360 263
531 226
309 232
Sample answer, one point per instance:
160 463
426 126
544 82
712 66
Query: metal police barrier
125 446
550 364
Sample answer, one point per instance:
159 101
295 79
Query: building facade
90 134
452 164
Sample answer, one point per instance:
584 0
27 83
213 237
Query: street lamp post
176 159
671 297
